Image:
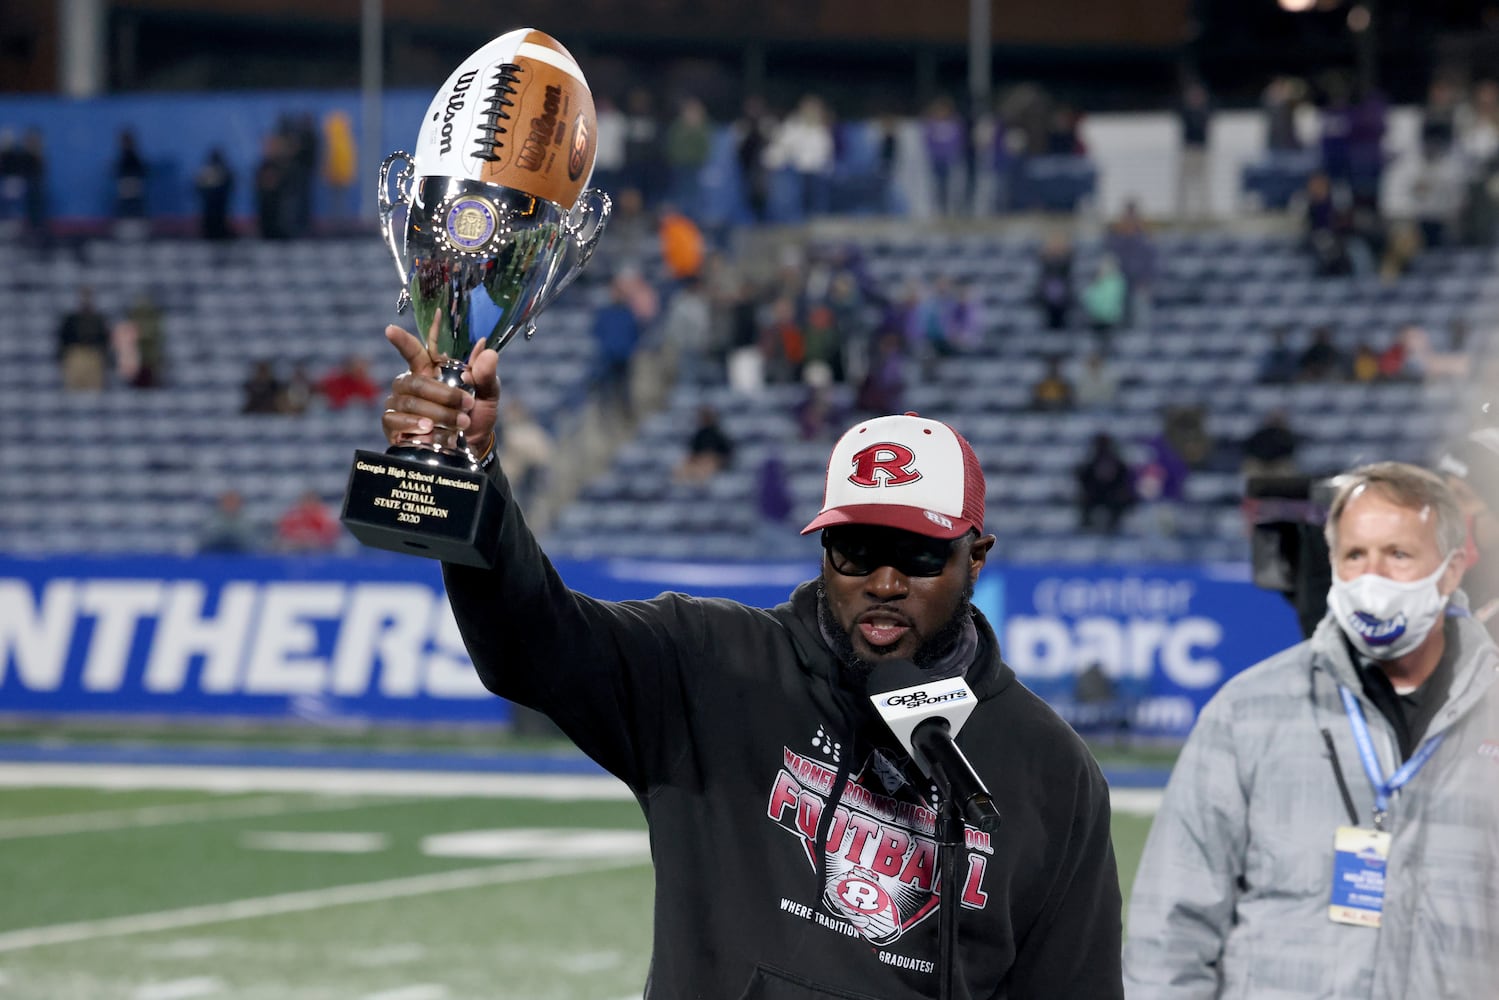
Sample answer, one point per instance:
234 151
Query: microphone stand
950 841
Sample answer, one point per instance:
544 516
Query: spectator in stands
12 180
818 414
994 161
1052 392
298 391
215 185
709 450
1402 245
1106 489
1063 135
1439 117
823 342
616 332
1194 115
1365 364
1280 365
1161 481
773 505
1270 449
753 133
783 342
526 448
1321 361
1437 191
139 345
1267 816
307 526
272 208
1184 426
340 161
610 132
644 155
1424 361
262 389
34 169
1327 228
689 141
1131 244
83 345
1054 281
349 383
1105 299
1097 384
945 138
228 530
930 322
1282 101
682 244
1366 145
130 183
883 387
803 149
300 140
687 333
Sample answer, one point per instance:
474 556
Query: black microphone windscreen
892 675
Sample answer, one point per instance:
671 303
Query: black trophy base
411 505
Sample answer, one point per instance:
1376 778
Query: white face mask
1384 618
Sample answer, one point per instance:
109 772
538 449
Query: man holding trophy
796 841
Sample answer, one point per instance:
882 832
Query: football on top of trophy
517 113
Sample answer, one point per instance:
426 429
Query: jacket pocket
767 983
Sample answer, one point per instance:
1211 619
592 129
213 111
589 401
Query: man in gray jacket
1331 829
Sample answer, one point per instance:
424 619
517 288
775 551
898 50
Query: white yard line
1136 801
180 989
302 902
416 991
434 784
167 815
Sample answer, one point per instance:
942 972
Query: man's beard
929 652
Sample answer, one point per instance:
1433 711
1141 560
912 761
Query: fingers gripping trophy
487 222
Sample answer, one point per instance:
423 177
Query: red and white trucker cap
903 472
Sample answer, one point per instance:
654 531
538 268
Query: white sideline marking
419 991
165 815
300 902
538 842
435 784
329 843
1136 801
180 989
396 954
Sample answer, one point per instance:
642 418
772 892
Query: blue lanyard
1383 789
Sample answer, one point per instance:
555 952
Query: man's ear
1452 576
978 554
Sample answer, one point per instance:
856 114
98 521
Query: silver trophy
479 261
488 222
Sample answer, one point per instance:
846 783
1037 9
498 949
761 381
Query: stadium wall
371 639
1135 154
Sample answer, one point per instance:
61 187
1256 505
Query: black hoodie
734 726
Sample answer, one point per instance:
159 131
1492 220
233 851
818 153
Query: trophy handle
389 205
581 228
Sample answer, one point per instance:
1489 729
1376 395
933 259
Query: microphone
925 715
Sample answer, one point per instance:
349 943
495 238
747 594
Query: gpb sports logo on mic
919 698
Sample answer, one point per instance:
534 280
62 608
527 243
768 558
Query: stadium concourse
139 472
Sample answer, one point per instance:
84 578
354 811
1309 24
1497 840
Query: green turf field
172 895
395 893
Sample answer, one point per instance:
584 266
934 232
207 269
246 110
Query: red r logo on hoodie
884 464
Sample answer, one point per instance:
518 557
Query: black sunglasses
860 550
